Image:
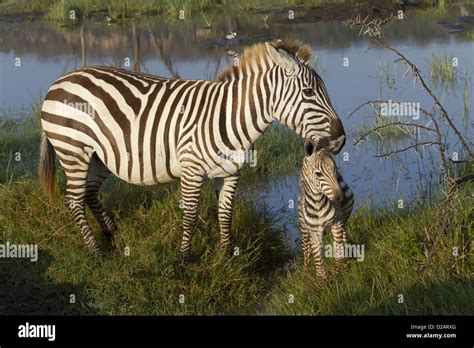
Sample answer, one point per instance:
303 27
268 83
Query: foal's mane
254 55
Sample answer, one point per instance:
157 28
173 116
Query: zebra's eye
308 92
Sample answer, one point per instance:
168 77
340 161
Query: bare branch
369 102
380 101
460 161
425 143
444 113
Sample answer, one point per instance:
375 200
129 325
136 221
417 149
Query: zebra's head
323 173
299 98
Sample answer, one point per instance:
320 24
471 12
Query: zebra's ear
309 147
282 57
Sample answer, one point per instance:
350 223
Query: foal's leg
305 244
316 239
340 239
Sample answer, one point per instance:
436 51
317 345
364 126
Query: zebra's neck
247 104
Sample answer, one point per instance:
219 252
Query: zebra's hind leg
316 240
98 173
75 199
226 202
192 179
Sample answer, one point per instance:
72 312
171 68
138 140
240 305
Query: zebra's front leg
305 241
317 249
340 239
305 245
192 179
226 202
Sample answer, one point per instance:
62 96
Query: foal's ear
309 147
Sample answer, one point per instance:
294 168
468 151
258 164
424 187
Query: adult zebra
149 130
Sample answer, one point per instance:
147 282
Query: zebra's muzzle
338 136
338 198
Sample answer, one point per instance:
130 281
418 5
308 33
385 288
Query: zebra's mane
254 54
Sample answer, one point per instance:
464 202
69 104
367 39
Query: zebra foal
324 203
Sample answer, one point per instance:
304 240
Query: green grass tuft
442 71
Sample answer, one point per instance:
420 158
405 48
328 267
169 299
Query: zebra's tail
47 170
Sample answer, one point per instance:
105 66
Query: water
189 50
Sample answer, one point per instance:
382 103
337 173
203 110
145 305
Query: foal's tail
47 166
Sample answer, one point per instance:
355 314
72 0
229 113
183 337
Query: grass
148 281
442 71
59 10
257 281
465 95
19 140
151 280
470 35
279 151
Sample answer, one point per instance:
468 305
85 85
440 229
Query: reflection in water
194 51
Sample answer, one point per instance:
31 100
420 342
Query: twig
425 143
369 102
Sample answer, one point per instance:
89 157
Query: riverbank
290 10
263 277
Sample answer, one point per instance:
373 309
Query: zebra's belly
143 173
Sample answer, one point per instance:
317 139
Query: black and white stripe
325 203
148 130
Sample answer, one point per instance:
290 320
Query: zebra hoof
111 242
184 259
96 250
323 282
341 265
226 249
